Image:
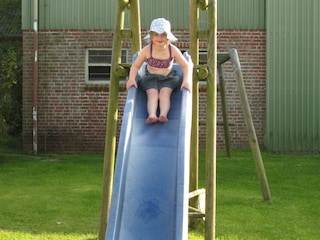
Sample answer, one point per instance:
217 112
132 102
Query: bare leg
164 102
152 105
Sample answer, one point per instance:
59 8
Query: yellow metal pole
211 121
111 126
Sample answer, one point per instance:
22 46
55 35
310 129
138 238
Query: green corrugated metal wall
100 14
70 14
241 14
293 70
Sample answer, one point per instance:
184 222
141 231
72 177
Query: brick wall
72 116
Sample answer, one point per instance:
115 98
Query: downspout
35 77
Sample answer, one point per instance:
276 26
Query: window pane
99 56
98 73
124 56
202 57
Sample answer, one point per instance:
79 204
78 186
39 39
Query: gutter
35 78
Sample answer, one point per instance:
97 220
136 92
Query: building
74 48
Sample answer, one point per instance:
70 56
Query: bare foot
163 119
152 120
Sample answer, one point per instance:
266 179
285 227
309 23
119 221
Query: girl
160 79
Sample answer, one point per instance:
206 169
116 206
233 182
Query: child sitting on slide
160 78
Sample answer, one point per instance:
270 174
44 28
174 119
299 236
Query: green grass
50 195
58 197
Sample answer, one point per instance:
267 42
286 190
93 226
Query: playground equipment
152 170
214 64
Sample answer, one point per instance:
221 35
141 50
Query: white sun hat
161 25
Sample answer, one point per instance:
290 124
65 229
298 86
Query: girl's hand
186 85
130 83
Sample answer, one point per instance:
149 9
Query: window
98 64
203 57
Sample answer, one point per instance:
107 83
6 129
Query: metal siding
175 11
70 14
100 14
244 14
293 106
76 14
26 14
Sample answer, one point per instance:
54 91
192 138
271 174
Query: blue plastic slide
151 182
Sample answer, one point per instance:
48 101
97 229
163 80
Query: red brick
72 118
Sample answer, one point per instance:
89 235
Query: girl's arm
135 68
186 68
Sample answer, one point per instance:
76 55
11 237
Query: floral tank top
160 63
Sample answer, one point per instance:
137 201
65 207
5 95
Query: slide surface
151 182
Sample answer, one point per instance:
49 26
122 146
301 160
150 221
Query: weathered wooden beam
223 57
135 25
125 3
203 34
222 90
203 4
198 212
194 53
196 215
111 124
250 127
126 33
201 71
196 193
211 127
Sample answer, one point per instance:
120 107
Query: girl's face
159 39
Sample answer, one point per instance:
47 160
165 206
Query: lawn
58 197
